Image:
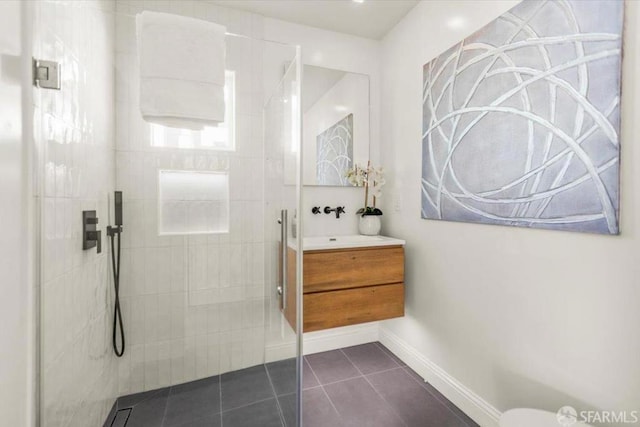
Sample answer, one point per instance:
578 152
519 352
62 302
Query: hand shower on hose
114 232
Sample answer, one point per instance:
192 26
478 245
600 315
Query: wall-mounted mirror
335 130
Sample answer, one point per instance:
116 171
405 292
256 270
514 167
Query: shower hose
117 313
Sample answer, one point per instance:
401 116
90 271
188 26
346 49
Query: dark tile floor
361 386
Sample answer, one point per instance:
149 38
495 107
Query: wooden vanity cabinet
350 286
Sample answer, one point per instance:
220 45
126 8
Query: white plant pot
369 225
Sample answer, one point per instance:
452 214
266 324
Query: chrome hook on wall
46 74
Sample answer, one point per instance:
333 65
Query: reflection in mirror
335 124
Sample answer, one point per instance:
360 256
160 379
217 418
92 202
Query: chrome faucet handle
95 236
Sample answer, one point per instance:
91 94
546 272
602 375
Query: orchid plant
372 179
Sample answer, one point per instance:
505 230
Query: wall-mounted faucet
91 237
338 210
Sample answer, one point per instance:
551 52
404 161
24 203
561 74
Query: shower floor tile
192 402
261 414
244 387
354 386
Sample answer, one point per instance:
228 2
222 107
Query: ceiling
371 18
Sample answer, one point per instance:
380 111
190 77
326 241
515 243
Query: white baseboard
470 403
326 340
346 336
280 351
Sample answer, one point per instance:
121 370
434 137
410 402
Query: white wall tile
137 268
177 361
164 316
252 346
202 356
137 367
213 356
76 139
197 301
177 268
238 22
178 319
151 318
189 368
151 368
164 364
124 374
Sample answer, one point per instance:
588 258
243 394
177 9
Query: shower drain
121 418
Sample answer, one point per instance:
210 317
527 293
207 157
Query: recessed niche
193 202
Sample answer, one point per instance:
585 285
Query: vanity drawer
323 310
351 268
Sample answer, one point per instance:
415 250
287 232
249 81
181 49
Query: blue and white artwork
334 156
521 120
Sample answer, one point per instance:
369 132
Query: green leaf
369 211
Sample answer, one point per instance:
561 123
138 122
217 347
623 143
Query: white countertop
344 242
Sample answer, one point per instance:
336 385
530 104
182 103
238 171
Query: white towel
182 62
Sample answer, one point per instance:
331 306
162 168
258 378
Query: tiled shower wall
193 304
74 131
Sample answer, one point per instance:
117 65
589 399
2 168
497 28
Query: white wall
16 287
341 52
521 317
75 135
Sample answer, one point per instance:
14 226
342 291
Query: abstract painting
335 153
521 120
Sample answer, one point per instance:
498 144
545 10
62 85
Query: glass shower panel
202 308
201 245
224 271
282 124
74 141
193 288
